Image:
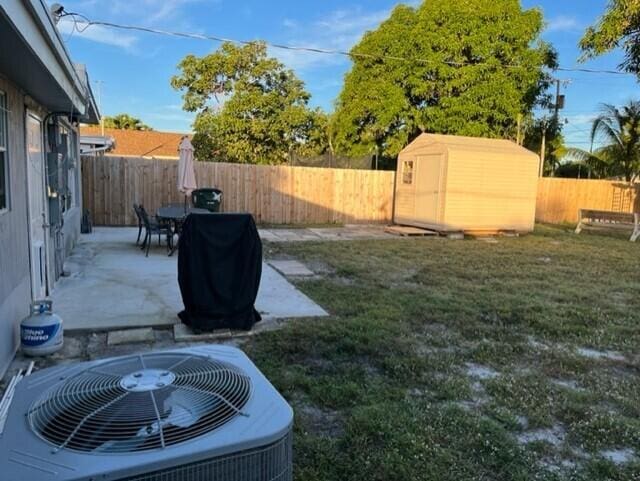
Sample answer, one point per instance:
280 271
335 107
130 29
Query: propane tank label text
32 336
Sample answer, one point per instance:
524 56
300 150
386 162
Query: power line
591 70
86 23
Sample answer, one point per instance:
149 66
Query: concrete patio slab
112 285
294 235
291 268
127 336
267 235
183 333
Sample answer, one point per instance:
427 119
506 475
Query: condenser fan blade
140 403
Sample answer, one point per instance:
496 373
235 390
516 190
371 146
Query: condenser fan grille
140 403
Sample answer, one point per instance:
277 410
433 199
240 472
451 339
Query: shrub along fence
273 194
560 199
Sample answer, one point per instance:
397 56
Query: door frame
420 175
29 115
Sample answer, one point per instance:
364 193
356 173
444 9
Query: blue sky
135 68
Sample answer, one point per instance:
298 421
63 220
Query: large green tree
618 27
250 108
616 134
465 67
124 122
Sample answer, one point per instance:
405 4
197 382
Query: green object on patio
209 199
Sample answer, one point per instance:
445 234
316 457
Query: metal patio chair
154 227
136 209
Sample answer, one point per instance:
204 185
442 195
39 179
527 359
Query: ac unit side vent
270 463
140 403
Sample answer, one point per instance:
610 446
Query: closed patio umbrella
186 170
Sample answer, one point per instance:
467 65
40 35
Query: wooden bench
609 219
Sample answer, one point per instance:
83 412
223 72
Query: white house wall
15 287
15 281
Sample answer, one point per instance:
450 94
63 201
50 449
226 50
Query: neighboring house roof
138 143
44 70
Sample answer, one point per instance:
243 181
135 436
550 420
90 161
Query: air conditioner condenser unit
198 414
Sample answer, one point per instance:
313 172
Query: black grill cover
219 270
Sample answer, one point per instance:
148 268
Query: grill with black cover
219 270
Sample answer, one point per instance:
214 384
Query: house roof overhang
96 143
34 57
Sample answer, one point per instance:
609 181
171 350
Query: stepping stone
295 235
183 333
129 336
328 233
291 268
268 236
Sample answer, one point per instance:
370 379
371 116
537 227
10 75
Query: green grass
382 389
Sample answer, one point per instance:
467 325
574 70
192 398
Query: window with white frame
4 160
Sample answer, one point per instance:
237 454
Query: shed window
4 161
407 172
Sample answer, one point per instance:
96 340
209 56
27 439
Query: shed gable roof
459 142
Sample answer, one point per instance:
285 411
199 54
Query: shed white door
36 181
428 175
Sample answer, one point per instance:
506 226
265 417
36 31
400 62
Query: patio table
175 214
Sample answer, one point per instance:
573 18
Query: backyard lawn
453 360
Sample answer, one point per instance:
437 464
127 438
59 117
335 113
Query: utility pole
99 84
519 138
559 103
588 166
557 106
543 148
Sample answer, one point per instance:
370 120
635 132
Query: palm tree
618 130
125 122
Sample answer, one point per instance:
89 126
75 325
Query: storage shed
451 183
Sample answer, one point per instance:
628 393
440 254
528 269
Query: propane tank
41 333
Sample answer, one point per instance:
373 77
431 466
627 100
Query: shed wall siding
15 289
487 185
491 191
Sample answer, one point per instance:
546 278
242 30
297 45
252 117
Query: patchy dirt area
596 354
511 360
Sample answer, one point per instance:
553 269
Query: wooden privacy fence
560 199
273 194
305 195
